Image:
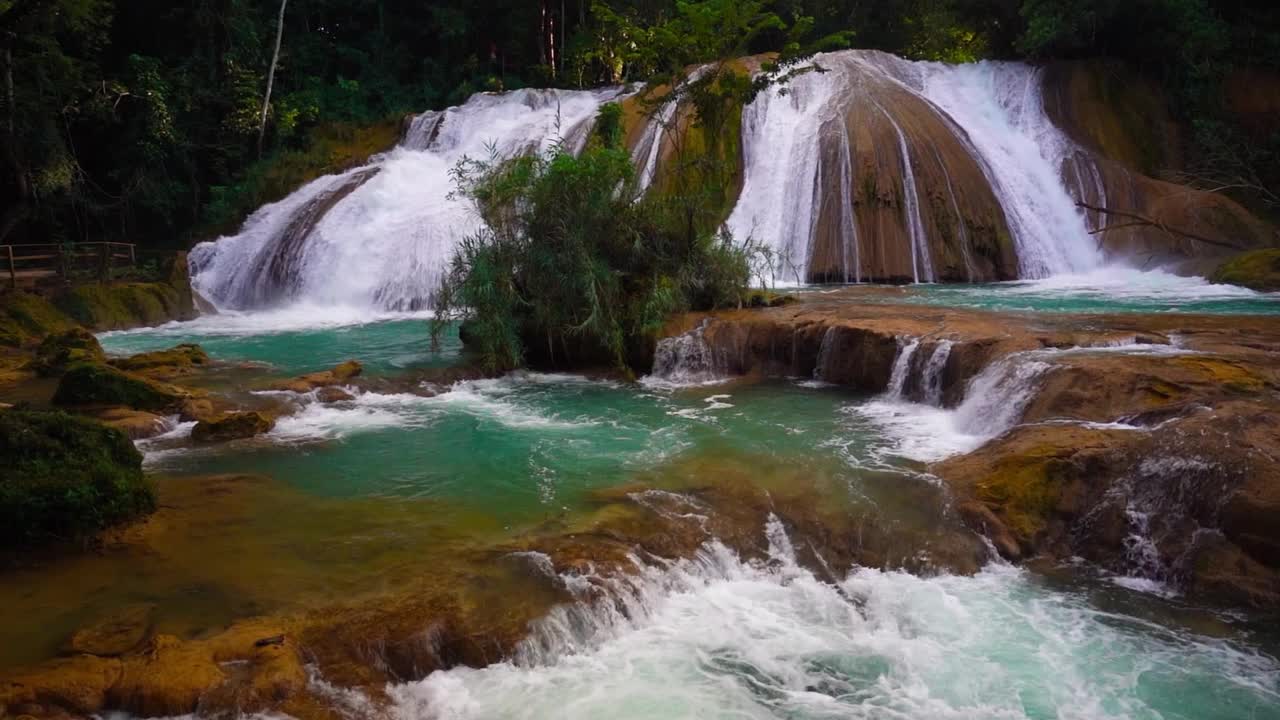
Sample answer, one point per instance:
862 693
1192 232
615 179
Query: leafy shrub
569 268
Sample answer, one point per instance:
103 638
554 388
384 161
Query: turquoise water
714 637
299 342
1103 291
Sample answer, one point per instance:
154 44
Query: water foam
716 637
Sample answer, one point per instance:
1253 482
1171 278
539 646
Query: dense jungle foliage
140 120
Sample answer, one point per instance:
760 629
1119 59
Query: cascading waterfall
933 370
685 359
901 367
1000 107
993 110
921 266
381 236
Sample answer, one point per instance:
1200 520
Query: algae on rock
66 477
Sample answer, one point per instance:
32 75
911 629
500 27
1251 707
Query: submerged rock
333 395
231 426
116 634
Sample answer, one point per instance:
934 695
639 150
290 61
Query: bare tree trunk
564 22
271 76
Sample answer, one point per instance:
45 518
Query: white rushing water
998 114
386 244
999 105
716 637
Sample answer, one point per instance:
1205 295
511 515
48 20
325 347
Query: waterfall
996 398
824 353
381 236
901 366
993 110
684 360
921 267
999 105
933 372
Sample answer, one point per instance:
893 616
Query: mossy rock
118 306
185 355
97 384
59 351
26 318
232 426
65 477
1257 270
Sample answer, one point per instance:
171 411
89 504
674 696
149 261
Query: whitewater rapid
716 637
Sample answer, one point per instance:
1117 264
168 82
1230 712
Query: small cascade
921 266
685 359
996 398
933 370
901 367
824 353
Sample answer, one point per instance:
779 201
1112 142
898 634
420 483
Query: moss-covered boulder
176 359
65 477
26 318
96 384
1259 270
232 426
59 351
117 306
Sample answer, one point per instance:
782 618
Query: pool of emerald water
345 499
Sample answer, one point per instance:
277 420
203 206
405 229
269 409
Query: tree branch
1139 220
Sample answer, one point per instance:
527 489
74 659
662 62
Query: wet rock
59 351
90 384
232 426
137 424
165 363
306 383
1259 270
333 395
116 634
77 685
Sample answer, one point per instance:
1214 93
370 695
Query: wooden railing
31 265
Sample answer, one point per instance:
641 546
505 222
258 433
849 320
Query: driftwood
1139 220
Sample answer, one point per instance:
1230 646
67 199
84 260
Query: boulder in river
165 363
232 426
89 384
59 351
306 383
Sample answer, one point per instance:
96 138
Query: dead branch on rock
1139 220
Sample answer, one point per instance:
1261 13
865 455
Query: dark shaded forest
148 121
